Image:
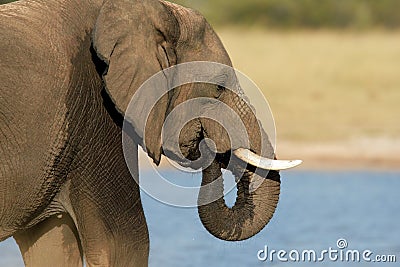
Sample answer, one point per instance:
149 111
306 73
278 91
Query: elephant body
68 70
61 151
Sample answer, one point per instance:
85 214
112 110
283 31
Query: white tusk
264 163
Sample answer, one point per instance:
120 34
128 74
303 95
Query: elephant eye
220 87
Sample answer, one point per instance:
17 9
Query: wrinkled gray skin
68 70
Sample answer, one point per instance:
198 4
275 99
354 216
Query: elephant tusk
264 163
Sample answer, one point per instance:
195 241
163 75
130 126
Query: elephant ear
136 39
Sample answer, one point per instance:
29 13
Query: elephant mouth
200 157
197 151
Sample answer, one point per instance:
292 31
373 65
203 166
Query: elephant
68 72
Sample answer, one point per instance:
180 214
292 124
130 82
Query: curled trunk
253 208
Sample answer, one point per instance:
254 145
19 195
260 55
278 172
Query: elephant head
137 39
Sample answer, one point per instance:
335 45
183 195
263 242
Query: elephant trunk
253 208
257 190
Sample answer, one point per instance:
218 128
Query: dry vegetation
324 86
335 96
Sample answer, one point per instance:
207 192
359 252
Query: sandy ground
363 153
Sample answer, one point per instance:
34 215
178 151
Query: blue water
315 210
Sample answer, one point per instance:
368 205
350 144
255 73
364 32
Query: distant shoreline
363 154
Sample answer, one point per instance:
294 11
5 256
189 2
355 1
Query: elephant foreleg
111 222
53 242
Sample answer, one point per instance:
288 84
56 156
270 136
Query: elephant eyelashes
219 90
220 81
